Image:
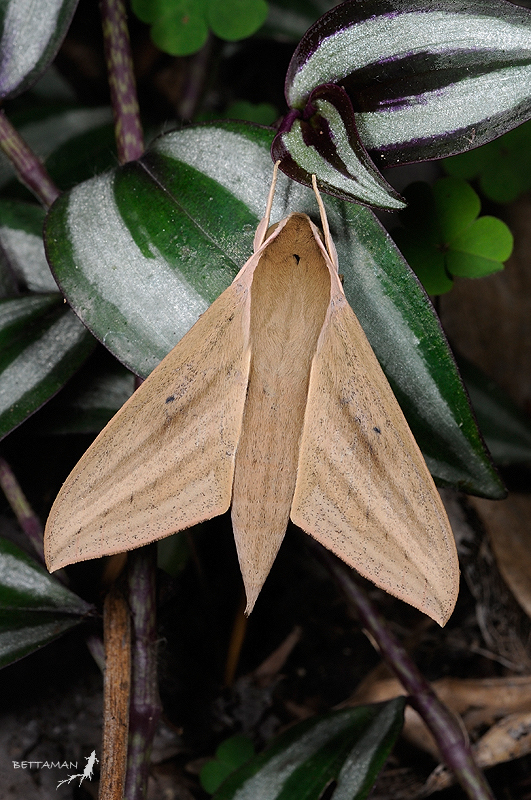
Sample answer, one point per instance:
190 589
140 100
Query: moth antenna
264 223
330 246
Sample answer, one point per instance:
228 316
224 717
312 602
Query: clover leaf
444 236
502 167
180 27
231 754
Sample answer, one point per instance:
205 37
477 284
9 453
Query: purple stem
145 708
27 519
29 168
127 125
197 72
452 742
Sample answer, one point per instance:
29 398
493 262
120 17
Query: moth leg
330 246
262 228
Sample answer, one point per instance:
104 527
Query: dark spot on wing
377 430
170 399
296 257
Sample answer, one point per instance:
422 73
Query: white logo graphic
87 772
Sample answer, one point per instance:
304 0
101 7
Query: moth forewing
363 489
166 460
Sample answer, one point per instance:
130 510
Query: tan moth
273 403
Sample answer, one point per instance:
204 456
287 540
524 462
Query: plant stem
452 742
144 710
27 518
197 73
96 649
127 125
145 706
236 642
116 689
29 168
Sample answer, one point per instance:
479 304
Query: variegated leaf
31 35
425 79
325 142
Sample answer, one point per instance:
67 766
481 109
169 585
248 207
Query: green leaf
444 238
22 252
42 343
427 261
348 746
507 430
503 166
456 206
150 10
398 318
213 774
180 27
288 20
488 240
230 755
34 607
85 154
469 165
173 553
142 251
19 312
427 79
8 284
89 400
236 750
31 36
183 30
236 19
324 141
261 113
74 143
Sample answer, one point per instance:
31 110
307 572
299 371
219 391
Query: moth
274 403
